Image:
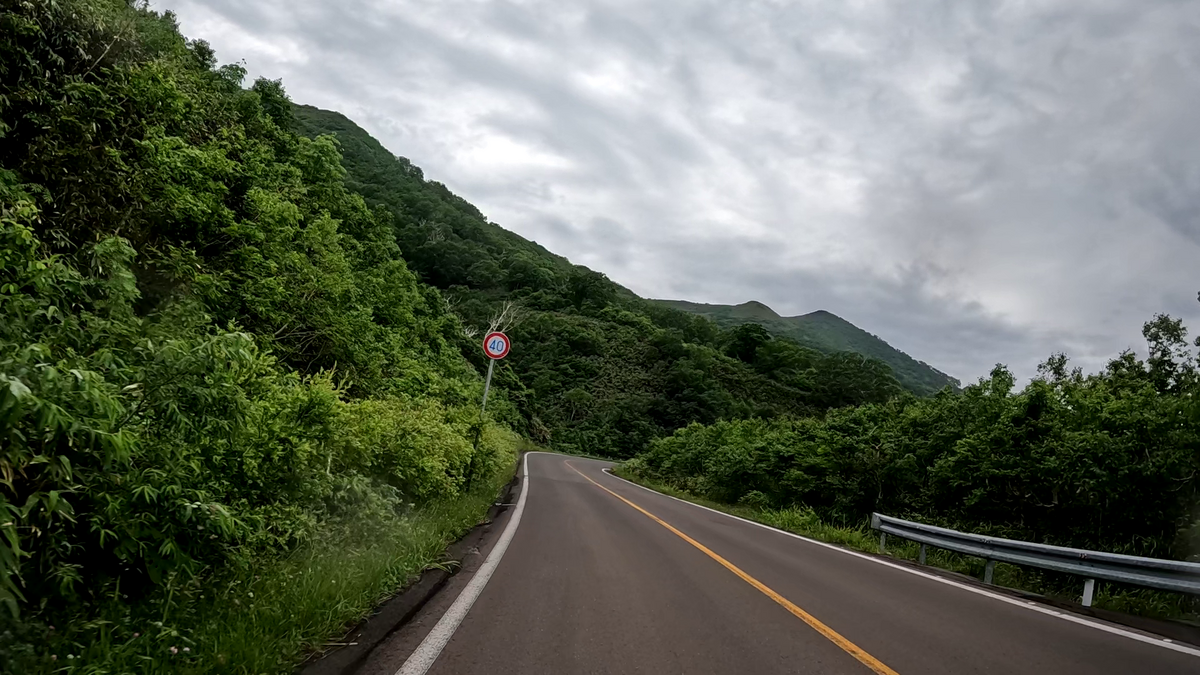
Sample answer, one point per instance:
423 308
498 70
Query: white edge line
422 658
1157 641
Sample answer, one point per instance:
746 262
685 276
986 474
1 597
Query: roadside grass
267 615
805 522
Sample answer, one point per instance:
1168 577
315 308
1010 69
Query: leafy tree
745 341
1171 366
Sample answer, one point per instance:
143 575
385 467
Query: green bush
169 446
755 500
1106 461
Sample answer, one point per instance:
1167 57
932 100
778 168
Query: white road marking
421 660
1150 640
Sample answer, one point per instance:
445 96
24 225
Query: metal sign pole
495 346
487 384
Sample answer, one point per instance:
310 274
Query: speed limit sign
496 345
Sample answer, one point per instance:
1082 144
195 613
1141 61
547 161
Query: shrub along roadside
262 617
807 523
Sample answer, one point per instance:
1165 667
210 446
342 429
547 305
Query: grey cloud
602 243
974 182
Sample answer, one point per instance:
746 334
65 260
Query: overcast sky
975 182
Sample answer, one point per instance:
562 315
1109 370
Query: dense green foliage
211 352
1107 461
829 334
593 367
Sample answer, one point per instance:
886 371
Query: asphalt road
591 583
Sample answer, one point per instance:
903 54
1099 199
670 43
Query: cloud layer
975 182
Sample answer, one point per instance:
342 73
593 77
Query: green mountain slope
593 367
442 235
828 333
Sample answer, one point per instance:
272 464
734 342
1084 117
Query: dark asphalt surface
591 585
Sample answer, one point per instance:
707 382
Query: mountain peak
757 310
827 332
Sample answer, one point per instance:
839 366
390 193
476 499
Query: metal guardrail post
1089 591
883 542
988 569
922 557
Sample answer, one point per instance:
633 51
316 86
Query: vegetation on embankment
218 377
264 616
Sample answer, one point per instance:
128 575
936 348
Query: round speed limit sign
496 345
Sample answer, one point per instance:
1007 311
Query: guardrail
1167 575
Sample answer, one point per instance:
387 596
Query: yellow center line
833 636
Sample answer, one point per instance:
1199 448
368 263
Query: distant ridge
826 332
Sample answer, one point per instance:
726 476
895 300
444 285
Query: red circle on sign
496 345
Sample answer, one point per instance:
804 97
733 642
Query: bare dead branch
509 314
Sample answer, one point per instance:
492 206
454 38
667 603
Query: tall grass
265 617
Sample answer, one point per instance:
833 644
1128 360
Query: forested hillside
593 368
826 333
222 390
